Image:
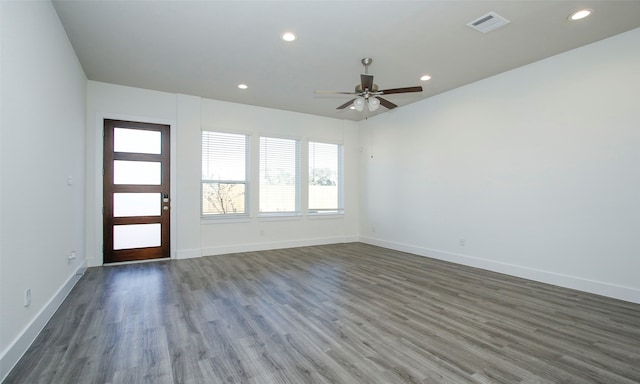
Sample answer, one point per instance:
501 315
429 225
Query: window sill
225 220
325 215
279 216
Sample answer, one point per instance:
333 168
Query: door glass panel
137 141
137 172
136 204
136 236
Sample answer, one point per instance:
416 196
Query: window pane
325 168
222 199
137 141
136 236
224 173
279 175
136 204
137 172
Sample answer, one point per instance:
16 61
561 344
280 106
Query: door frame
94 229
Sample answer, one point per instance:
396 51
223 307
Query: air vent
488 22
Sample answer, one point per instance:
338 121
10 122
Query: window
279 176
224 174
325 178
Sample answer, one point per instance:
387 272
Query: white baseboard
12 354
188 253
225 249
600 288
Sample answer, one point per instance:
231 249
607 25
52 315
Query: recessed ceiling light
425 77
288 36
581 14
243 86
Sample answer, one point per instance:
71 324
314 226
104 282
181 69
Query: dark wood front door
136 191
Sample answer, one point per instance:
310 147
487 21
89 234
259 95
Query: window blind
279 176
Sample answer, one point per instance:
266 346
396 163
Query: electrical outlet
72 256
463 242
27 297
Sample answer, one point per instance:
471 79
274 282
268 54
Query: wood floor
349 313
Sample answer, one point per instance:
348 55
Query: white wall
537 170
42 125
188 115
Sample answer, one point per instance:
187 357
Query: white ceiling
207 48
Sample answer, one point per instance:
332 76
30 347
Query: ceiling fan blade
367 82
334 93
386 103
401 90
345 105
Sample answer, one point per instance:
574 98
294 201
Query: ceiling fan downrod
360 88
366 62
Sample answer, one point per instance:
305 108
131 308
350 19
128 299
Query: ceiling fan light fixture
373 104
359 104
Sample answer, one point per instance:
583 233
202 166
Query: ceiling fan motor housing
374 88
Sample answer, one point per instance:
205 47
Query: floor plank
347 313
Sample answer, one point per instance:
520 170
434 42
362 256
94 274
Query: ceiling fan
368 93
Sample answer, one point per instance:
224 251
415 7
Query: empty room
319 191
